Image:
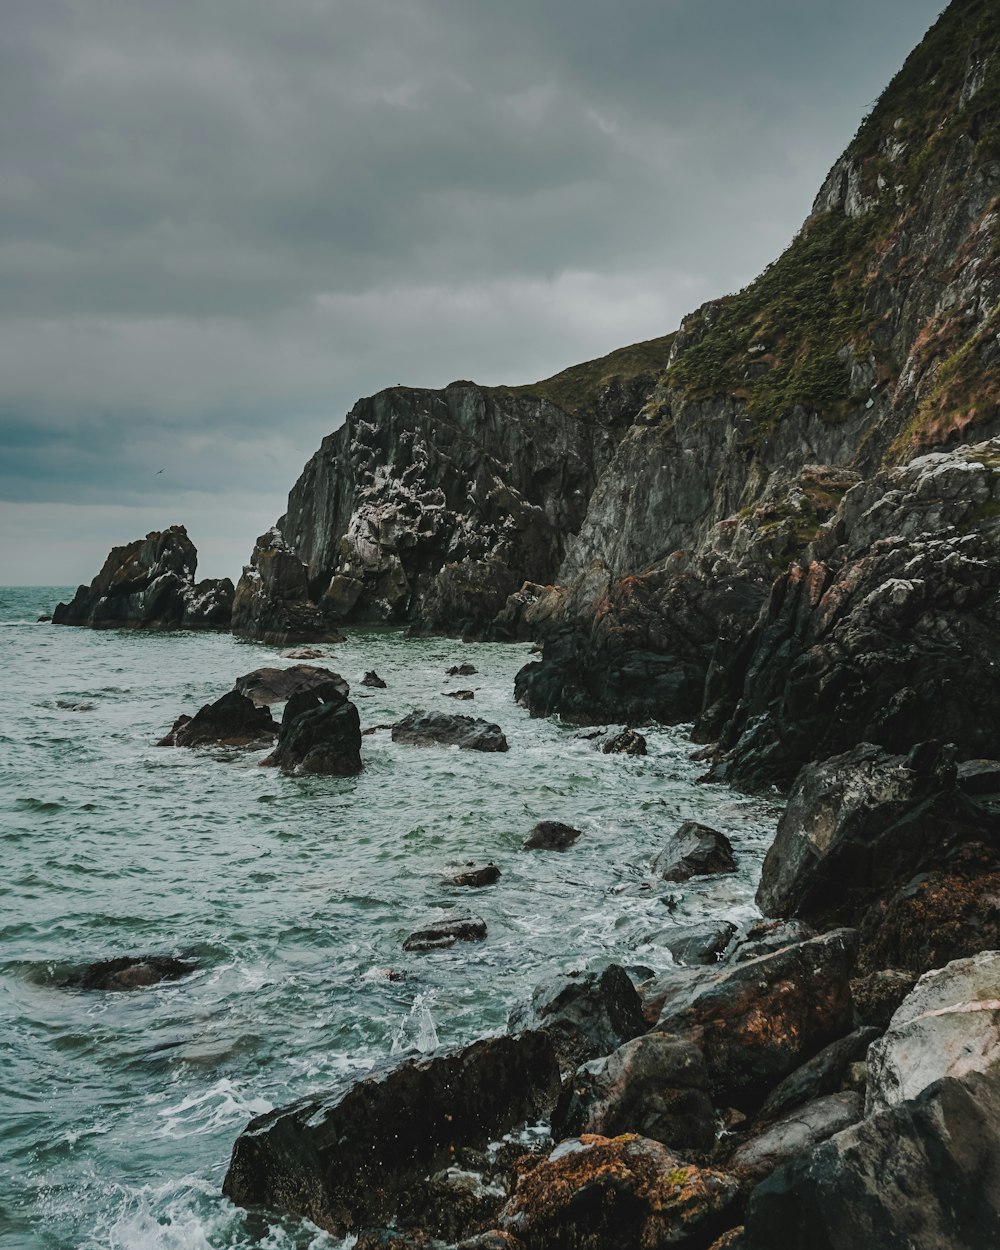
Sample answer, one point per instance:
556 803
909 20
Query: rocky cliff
432 507
788 438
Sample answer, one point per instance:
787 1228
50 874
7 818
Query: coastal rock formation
132 972
274 685
272 602
551 835
695 851
149 584
232 721
320 732
434 729
445 931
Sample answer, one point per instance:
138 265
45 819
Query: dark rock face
343 1160
320 733
796 1133
272 602
445 931
373 680
476 875
628 742
758 1021
599 1193
923 1175
878 995
551 835
656 1086
451 1205
586 1014
699 944
232 721
275 685
823 1074
695 851
132 972
150 584
433 729
767 936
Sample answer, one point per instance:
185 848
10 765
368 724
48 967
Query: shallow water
118 1111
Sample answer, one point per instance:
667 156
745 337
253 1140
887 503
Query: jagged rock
628 742
622 1193
462 670
132 972
821 1075
373 680
272 602
796 1133
435 729
694 851
878 995
320 733
150 584
923 1175
475 876
767 936
460 694
656 1086
861 822
698 944
275 685
949 1025
758 1021
344 1159
587 1014
232 721
551 835
445 931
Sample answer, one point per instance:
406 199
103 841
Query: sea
118 1111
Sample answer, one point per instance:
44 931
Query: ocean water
118 1111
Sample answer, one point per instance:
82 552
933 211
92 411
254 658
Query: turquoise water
118 1111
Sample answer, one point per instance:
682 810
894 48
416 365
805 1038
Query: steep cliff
777 425
434 506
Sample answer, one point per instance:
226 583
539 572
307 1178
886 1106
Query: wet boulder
132 972
452 1204
464 695
373 681
435 729
656 1086
320 733
878 995
462 670
920 1175
628 742
660 988
756 1022
796 1133
587 1014
445 931
621 1193
948 1025
276 685
695 850
232 721
767 936
345 1159
475 876
698 944
551 835
822 1074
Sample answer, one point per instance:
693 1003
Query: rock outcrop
320 732
468 733
149 584
232 721
266 686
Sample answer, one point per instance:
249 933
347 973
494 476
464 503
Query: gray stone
694 851
795 1133
434 729
445 931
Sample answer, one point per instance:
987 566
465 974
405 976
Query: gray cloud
223 220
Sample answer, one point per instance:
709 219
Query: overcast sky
223 221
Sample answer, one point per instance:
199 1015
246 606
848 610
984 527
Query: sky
223 221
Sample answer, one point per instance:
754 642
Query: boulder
462 670
476 875
434 729
628 742
445 931
796 1133
373 681
276 685
767 936
344 1159
464 695
232 721
922 1175
662 987
149 584
132 972
320 733
393 1239
694 851
656 1086
551 835
756 1022
305 653
822 1074
698 943
621 1193
587 1014
949 1025
859 823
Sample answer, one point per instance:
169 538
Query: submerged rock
628 742
445 931
460 694
132 972
320 733
695 851
276 685
232 721
373 681
344 1159
476 875
462 670
551 835
436 729
149 584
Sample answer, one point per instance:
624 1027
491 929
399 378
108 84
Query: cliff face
778 423
434 506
